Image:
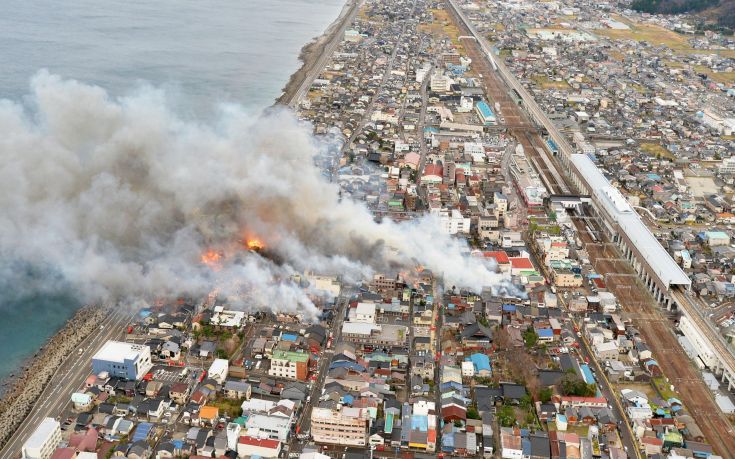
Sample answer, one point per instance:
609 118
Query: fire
254 244
211 258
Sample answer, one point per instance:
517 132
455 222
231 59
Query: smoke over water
125 201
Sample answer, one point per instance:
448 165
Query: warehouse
125 360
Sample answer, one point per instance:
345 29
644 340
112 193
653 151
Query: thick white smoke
120 197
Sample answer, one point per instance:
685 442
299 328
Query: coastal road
56 397
346 17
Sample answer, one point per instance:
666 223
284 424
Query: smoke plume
120 198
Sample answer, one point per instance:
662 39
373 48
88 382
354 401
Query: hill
721 11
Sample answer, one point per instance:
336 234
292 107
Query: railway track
516 120
656 329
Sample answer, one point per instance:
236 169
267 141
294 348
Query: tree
506 416
221 354
472 413
573 385
530 337
545 394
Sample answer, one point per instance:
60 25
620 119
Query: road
304 424
386 76
609 393
56 397
344 21
422 124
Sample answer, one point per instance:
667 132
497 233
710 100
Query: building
346 426
453 222
487 117
219 370
440 82
290 365
727 167
255 447
267 426
658 271
717 238
124 360
363 313
43 441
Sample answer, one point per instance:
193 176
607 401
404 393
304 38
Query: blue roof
142 431
509 308
552 145
587 374
288 337
545 332
484 109
480 361
420 422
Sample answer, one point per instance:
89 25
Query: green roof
291 356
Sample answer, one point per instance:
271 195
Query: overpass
714 351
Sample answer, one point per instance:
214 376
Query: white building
440 82
453 222
43 441
346 426
265 426
466 104
233 435
125 360
727 167
468 369
219 370
699 342
363 313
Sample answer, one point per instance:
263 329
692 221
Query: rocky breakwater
18 401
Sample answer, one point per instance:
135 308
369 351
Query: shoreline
21 391
313 51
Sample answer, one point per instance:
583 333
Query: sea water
202 52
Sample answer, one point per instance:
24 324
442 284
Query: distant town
583 150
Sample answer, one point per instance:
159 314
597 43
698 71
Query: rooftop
118 351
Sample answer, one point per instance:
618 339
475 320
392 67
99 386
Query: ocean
201 52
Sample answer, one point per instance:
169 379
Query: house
481 365
248 446
179 393
218 370
237 390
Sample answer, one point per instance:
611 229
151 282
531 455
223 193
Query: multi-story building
124 360
289 365
346 426
453 222
43 441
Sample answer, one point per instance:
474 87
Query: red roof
500 257
262 443
434 169
521 263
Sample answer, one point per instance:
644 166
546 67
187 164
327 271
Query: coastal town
582 150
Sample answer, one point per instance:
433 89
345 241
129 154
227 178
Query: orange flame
211 258
254 244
